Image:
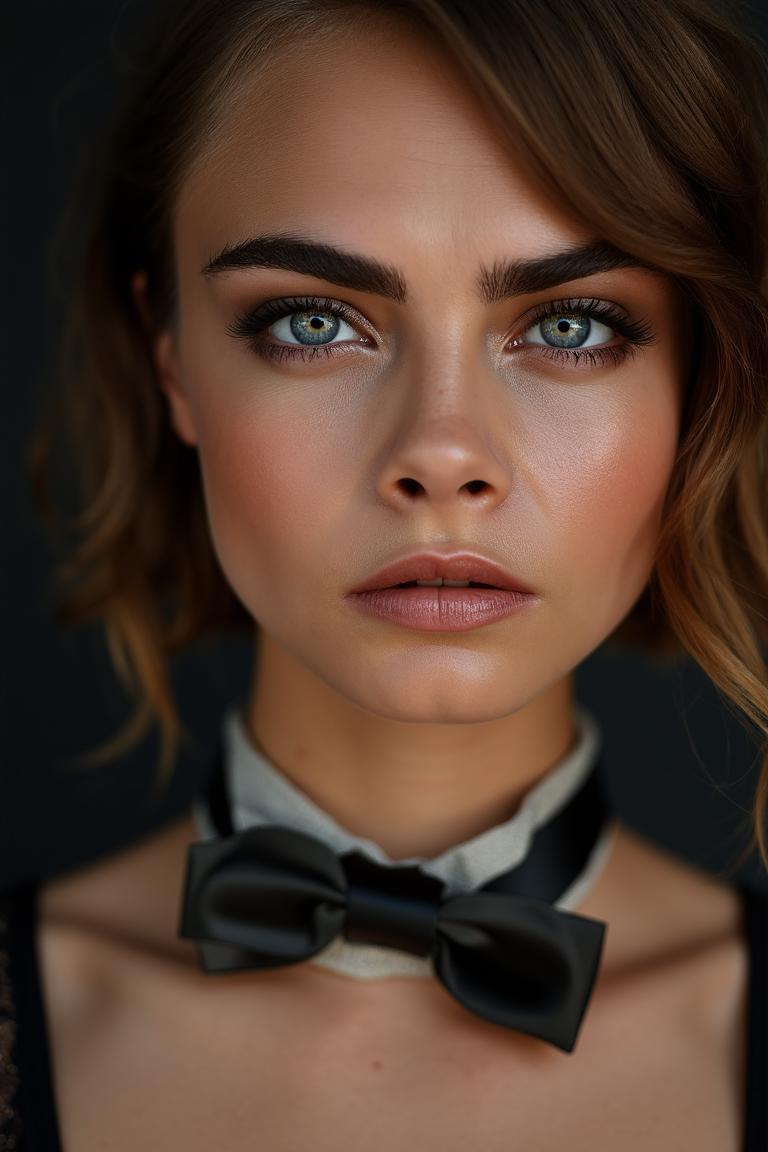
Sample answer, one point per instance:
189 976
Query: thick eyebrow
298 254
506 278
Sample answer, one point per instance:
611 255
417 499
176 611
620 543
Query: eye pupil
563 325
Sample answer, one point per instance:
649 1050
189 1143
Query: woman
378 294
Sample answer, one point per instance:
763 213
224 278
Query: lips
469 566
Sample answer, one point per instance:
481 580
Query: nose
454 456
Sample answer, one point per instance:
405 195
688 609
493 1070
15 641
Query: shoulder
656 904
660 907
105 933
676 948
112 922
131 896
125 994
674 955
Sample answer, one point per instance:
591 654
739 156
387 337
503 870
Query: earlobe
165 362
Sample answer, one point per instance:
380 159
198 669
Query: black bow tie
269 896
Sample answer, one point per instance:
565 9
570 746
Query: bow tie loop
268 891
519 962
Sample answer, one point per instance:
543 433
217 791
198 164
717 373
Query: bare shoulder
677 927
104 933
126 1001
131 895
658 906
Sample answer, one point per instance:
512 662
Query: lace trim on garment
10 1116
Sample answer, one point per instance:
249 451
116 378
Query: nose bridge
446 433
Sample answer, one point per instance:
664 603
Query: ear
166 363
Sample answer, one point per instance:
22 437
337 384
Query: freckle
375 1063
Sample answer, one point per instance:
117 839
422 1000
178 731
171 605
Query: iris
319 327
565 331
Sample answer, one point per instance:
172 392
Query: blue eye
311 321
567 325
318 326
307 327
570 330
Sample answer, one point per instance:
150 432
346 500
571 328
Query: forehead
369 138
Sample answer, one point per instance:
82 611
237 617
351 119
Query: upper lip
431 565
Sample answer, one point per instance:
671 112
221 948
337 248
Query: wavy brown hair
648 120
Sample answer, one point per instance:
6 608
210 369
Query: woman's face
432 415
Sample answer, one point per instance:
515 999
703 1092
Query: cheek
263 496
612 498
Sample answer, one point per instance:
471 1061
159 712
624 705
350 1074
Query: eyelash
251 326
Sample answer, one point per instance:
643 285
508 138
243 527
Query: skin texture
316 474
418 740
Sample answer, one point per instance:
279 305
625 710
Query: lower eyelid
304 352
600 355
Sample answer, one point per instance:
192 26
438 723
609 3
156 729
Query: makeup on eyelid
404 416
252 325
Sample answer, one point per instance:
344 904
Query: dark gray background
681 768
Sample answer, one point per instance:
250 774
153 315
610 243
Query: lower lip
442 609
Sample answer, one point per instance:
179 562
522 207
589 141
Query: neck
415 789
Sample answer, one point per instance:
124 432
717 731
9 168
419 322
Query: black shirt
28 1119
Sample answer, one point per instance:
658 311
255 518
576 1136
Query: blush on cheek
241 502
625 512
259 490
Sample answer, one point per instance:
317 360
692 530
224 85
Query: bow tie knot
396 906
